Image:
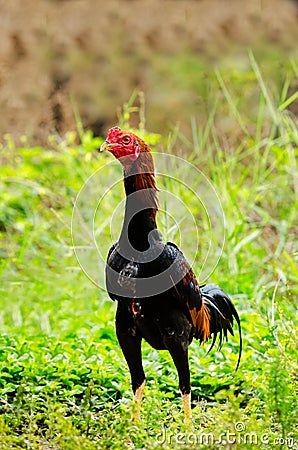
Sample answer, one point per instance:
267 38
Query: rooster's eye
126 140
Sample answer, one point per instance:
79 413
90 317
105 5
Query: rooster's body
158 296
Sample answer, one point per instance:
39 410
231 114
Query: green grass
64 382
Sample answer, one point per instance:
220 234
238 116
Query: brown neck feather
141 202
140 178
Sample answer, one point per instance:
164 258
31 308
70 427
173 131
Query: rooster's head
124 145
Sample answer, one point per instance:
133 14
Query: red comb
113 134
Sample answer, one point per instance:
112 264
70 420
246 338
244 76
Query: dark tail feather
222 312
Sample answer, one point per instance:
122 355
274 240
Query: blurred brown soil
93 53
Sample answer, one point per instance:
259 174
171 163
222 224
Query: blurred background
62 56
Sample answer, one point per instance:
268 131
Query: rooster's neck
141 204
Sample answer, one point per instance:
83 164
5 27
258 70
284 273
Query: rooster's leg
130 343
179 353
137 398
186 401
131 348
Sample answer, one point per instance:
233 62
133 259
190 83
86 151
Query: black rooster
158 296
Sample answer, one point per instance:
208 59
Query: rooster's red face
122 144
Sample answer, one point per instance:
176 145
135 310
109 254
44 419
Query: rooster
159 298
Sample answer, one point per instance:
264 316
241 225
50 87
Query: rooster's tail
216 317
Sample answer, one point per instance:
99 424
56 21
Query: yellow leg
137 398
186 399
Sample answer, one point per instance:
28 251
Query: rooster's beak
105 147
